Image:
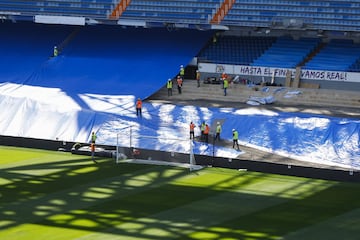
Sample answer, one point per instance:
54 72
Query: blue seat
85 8
345 52
197 12
286 52
235 50
329 15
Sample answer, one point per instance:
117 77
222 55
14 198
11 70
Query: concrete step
241 93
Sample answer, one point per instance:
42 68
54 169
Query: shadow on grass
158 202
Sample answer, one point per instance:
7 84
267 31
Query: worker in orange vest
192 128
224 76
92 148
179 82
138 107
206 133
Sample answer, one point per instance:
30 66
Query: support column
119 9
222 11
296 82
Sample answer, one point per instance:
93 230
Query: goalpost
159 150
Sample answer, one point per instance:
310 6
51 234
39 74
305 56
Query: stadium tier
344 52
275 19
324 15
176 11
284 52
235 50
331 15
99 9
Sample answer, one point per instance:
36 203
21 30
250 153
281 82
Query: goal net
161 150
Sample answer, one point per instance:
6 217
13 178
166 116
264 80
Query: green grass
54 195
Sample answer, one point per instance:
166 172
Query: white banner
60 20
279 72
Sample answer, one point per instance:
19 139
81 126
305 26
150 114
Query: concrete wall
208 161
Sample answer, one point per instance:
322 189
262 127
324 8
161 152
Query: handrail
222 11
119 9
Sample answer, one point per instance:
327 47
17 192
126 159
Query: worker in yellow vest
198 78
169 86
202 128
226 85
235 138
182 72
217 131
56 51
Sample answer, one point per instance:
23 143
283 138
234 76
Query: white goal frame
126 138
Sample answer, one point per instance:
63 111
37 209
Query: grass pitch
54 195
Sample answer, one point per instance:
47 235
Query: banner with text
279 72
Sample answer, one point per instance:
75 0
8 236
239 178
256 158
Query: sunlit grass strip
76 199
11 156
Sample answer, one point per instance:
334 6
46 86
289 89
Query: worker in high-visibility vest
182 72
206 133
56 51
217 131
93 137
202 128
198 76
169 86
139 107
192 129
179 82
226 85
224 76
235 138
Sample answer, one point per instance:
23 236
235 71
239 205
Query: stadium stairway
284 96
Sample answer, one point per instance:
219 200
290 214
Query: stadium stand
330 15
286 52
235 50
99 9
337 55
172 11
355 67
